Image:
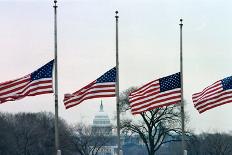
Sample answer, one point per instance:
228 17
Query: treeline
210 144
32 134
202 144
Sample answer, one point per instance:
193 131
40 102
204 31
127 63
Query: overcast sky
148 49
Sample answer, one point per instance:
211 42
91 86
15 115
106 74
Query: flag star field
109 76
44 72
227 83
170 82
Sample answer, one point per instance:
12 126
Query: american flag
37 83
104 86
217 94
158 93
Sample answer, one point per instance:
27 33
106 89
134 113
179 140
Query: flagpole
117 88
58 152
184 152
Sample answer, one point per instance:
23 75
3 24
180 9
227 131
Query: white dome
101 119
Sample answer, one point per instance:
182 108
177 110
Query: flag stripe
37 83
14 89
209 98
26 85
21 88
96 87
143 89
150 93
76 102
159 97
217 98
104 86
38 87
82 97
158 93
12 83
158 102
31 92
217 94
153 106
208 95
39 90
208 90
46 87
146 92
229 100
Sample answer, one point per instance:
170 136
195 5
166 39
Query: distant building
102 125
101 122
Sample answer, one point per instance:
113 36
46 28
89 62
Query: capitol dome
101 122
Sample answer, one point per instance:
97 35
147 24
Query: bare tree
86 141
219 144
32 134
155 127
210 144
25 132
7 139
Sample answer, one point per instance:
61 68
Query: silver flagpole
58 152
182 92
117 89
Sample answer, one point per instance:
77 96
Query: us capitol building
101 122
102 125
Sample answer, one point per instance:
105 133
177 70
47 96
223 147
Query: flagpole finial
55 2
116 12
181 20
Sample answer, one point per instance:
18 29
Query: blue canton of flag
43 72
170 82
109 76
227 83
104 86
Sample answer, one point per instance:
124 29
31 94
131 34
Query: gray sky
148 49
